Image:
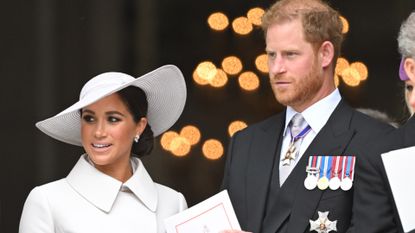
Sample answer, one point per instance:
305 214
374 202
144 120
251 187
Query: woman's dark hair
136 101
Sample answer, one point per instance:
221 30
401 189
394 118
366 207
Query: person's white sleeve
36 215
182 202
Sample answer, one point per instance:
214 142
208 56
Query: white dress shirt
89 201
316 117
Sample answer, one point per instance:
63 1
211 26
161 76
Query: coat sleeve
36 216
228 162
182 202
373 206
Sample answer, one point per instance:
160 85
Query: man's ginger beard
304 88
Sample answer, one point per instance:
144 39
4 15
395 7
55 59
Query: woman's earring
136 138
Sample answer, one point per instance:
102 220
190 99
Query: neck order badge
293 149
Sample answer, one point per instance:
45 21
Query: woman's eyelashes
90 119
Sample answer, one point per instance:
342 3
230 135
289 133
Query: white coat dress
89 201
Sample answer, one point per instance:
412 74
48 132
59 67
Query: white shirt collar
317 114
101 190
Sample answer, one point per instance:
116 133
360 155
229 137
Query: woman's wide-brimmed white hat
165 89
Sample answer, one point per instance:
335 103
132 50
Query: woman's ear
326 53
141 125
409 66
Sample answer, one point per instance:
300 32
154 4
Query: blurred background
51 48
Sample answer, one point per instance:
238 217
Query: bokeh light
167 138
336 80
345 23
220 79
361 68
255 15
248 81
198 79
212 149
261 63
218 21
206 70
191 133
351 77
179 146
341 64
232 65
235 126
242 26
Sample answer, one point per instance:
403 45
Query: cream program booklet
209 216
399 166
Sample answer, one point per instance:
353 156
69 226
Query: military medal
312 170
323 182
310 182
290 155
347 181
346 184
292 151
323 223
334 183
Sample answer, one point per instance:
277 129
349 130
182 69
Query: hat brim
165 89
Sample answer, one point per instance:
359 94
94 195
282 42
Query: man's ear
409 66
326 53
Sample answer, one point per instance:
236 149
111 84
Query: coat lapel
259 172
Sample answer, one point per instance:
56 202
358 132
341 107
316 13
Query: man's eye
290 54
271 55
88 118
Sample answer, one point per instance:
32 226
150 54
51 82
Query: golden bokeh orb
212 149
336 80
232 65
341 65
351 77
180 146
235 126
345 24
167 138
242 26
206 70
361 68
198 79
191 133
218 21
220 79
255 15
261 63
248 81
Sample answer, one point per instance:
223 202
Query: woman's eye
88 118
113 119
409 87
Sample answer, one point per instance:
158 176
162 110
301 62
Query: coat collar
102 190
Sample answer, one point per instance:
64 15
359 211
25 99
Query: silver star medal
323 224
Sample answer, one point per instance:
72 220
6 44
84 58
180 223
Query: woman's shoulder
47 187
166 191
169 195
49 190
